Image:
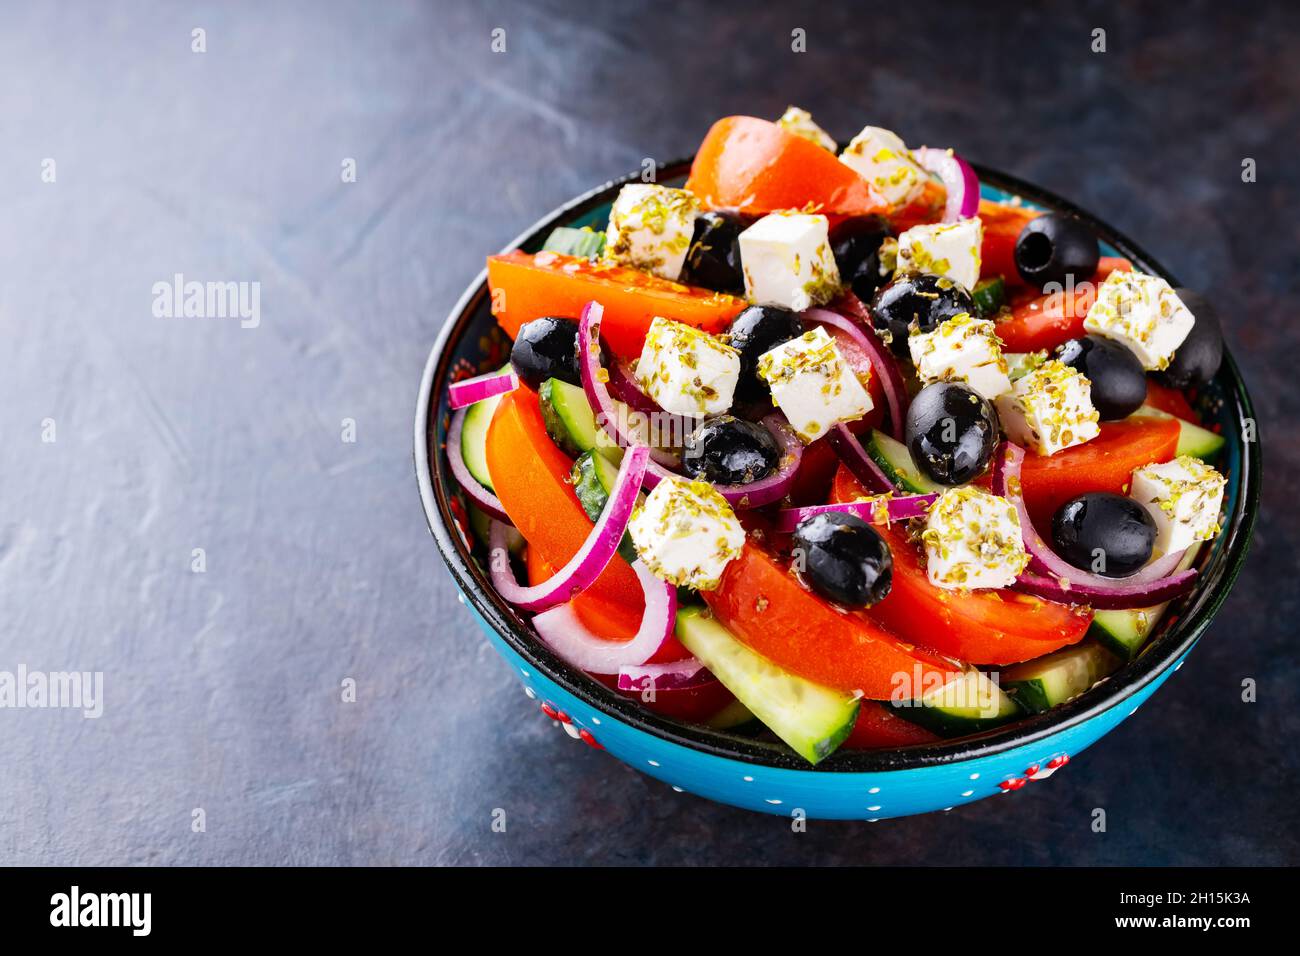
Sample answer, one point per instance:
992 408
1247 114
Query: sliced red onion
592 558
1048 570
471 390
876 511
1122 594
686 674
958 178
862 465
623 386
486 502
883 363
753 495
563 630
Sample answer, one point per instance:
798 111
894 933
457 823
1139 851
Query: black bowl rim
1170 644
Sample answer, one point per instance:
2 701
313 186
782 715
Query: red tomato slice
982 627
531 478
525 287
1171 400
1040 321
754 166
878 727
762 603
1104 464
1002 227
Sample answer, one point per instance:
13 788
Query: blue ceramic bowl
734 768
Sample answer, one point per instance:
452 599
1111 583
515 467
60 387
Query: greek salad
825 446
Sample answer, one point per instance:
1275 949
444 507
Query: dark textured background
222 689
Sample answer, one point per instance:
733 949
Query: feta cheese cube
1184 497
800 123
946 249
813 384
686 371
686 533
1049 409
1144 313
787 261
962 349
650 228
972 540
879 156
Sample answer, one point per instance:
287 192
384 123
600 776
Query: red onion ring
686 674
625 388
472 390
863 466
1125 596
895 509
563 630
753 495
959 180
882 361
595 554
1049 575
483 499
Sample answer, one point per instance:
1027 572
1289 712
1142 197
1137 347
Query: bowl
733 768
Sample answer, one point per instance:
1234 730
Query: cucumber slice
1020 364
1192 438
990 296
571 423
1125 633
479 523
964 705
812 719
473 437
730 717
896 462
1041 684
585 242
593 479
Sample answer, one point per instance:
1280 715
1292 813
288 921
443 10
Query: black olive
1104 533
951 432
918 302
546 348
759 329
844 558
730 451
1197 360
713 260
855 243
1119 383
1054 247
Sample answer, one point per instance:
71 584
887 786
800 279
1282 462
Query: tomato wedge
755 167
1104 464
1002 227
982 627
1040 321
1171 400
531 477
765 606
878 727
525 287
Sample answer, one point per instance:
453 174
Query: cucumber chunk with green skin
990 296
1125 633
1193 440
730 717
571 423
964 705
813 720
585 242
1020 364
896 462
593 478
1041 684
473 438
